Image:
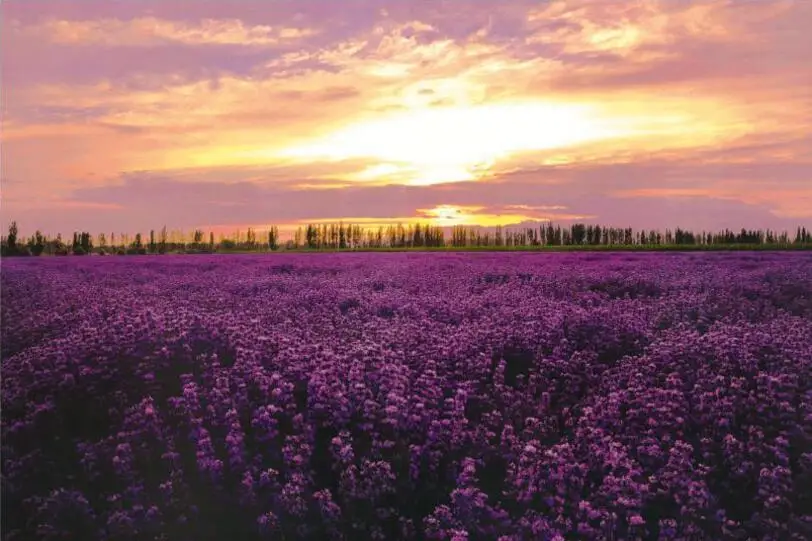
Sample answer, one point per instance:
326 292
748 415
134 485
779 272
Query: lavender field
408 396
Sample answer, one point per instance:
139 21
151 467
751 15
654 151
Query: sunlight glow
451 215
460 143
447 215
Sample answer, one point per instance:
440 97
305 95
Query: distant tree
162 241
82 243
530 234
353 238
10 246
59 247
357 236
86 242
566 237
401 236
578 233
197 237
11 240
350 236
136 247
273 238
549 235
38 246
417 237
308 236
342 237
499 236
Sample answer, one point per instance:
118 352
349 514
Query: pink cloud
153 32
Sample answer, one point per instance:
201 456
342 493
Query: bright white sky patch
459 143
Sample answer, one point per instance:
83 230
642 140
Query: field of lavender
408 396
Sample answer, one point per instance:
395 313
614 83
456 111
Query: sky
128 115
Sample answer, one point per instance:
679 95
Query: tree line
340 236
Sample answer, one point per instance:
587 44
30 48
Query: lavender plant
408 396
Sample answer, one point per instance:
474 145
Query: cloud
621 109
152 32
658 193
